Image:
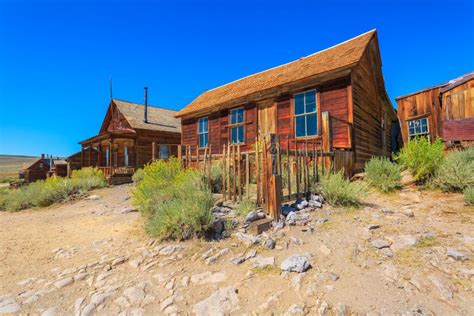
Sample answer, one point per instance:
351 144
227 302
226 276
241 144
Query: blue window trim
418 130
237 125
305 114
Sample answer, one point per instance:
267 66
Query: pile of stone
297 214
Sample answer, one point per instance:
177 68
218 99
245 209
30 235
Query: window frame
203 133
421 134
237 125
126 157
305 114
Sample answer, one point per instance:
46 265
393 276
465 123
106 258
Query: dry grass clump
337 190
382 174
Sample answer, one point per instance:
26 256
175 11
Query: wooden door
266 117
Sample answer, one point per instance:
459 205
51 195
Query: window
306 115
418 128
126 156
107 157
164 152
237 126
203 132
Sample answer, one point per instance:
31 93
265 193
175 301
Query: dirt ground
91 256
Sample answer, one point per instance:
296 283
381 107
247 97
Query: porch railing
110 171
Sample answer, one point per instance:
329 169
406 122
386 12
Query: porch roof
107 135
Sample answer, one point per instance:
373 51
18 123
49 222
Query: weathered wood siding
458 103
423 104
373 113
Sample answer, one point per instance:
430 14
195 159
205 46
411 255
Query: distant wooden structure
127 139
331 101
444 111
42 168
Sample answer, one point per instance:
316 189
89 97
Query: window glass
237 131
203 128
126 155
164 152
306 117
418 128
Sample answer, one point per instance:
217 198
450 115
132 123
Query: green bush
337 190
245 207
138 176
421 157
175 202
469 196
456 172
382 174
52 190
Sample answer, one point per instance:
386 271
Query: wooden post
288 165
197 156
68 169
234 170
110 152
315 162
265 172
180 155
90 153
327 138
257 167
99 154
239 173
228 172
306 169
136 152
153 151
224 164
247 175
273 203
209 169
204 160
297 170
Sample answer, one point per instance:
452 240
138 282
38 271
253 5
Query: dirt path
91 256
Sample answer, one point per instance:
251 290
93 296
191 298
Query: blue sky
56 57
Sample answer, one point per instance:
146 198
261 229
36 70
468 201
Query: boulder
222 302
380 243
269 243
251 216
457 255
287 209
247 239
262 262
295 263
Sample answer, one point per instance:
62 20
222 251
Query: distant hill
10 165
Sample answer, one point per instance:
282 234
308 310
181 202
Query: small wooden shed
443 111
289 100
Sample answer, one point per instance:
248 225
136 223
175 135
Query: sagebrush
421 157
469 195
382 174
54 189
337 190
176 202
456 172
244 207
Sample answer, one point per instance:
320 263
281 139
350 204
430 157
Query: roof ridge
293 61
153 106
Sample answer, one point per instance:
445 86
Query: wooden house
126 139
345 81
444 111
42 168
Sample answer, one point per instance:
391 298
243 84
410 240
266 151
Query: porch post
153 151
136 152
99 151
110 152
90 152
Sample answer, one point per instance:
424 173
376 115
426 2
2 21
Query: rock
92 197
322 221
170 249
457 255
26 281
406 178
222 302
387 251
77 305
119 260
128 209
135 263
409 213
333 276
185 281
342 310
296 241
9 306
237 260
270 302
208 277
251 216
386 210
380 243
323 309
167 302
218 226
300 219
390 272
301 204
262 262
296 309
315 204
269 243
88 310
373 226
135 295
261 214
443 289
295 263
81 276
64 282
403 241
99 298
287 209
247 239
296 280
250 254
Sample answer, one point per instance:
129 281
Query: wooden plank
247 175
224 174
257 166
234 173
239 172
273 203
229 191
153 151
265 171
297 171
327 137
288 164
